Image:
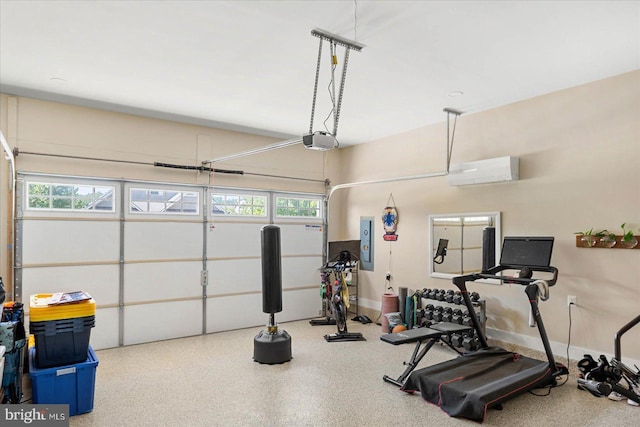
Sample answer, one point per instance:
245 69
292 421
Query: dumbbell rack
448 306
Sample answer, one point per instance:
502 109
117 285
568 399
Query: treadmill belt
470 384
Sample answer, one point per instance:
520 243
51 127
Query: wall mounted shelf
618 245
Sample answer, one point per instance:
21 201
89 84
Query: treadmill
477 381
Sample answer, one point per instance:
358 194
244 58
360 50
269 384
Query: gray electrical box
366 243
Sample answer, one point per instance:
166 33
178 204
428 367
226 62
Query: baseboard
557 348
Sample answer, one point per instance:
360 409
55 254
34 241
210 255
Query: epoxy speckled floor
212 380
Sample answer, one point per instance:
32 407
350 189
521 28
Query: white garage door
234 293
162 260
68 238
163 241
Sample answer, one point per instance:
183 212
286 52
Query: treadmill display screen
526 251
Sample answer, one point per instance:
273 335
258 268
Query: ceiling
250 65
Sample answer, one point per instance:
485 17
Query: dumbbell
432 293
440 295
428 312
447 314
437 314
475 297
448 297
457 298
470 343
456 316
425 293
456 340
466 320
465 312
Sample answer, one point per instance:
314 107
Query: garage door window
238 204
69 197
298 207
152 201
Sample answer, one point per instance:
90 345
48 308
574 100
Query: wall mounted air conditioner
484 171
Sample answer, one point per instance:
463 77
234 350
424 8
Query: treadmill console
526 251
517 253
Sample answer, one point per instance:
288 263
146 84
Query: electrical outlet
572 299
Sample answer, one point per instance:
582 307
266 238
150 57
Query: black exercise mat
469 385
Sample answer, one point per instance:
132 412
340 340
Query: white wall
579 153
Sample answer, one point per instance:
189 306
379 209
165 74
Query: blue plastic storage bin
72 384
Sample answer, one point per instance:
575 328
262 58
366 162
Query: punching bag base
272 348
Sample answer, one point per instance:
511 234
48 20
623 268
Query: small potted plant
608 240
589 239
628 239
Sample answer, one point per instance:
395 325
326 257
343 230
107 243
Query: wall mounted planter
593 241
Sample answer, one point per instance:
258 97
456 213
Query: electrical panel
366 243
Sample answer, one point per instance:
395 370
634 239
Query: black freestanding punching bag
488 248
271 270
271 345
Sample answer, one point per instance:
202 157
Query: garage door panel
299 239
234 240
52 242
234 276
300 271
161 280
235 312
161 321
100 281
162 240
105 333
299 304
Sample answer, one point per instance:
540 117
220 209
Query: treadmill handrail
531 291
618 337
491 274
